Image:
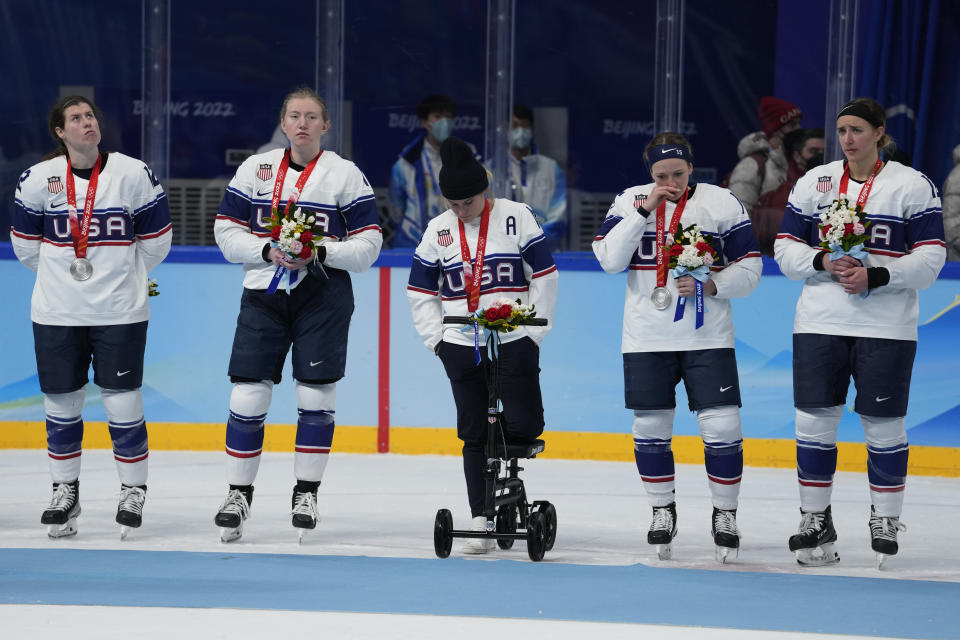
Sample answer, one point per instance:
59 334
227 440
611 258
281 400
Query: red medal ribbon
865 189
282 174
81 229
661 234
472 274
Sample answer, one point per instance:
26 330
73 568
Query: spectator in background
951 208
763 164
536 180
414 196
803 149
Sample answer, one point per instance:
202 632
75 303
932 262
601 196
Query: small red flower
847 228
826 229
675 249
703 247
275 232
306 237
306 252
505 312
491 314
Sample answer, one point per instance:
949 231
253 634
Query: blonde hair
304 92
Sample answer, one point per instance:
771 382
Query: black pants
522 420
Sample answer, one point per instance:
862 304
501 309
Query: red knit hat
774 113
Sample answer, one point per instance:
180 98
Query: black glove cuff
266 253
877 277
818 260
321 254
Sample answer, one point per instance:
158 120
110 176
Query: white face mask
520 137
442 129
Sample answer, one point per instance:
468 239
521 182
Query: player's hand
843 263
281 259
687 288
854 280
660 193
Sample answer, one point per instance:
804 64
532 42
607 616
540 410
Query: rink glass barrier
395 396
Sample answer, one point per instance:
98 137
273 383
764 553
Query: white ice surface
384 505
106 623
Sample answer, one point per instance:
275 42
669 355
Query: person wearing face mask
414 195
500 242
666 340
857 317
763 164
804 151
536 180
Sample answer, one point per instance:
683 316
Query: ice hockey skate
814 542
663 530
883 535
726 536
233 512
61 515
130 509
304 507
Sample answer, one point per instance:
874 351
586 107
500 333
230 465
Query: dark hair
794 141
667 137
305 92
523 112
873 112
437 103
58 120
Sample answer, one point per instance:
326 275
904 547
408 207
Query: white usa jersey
906 238
130 234
336 192
517 264
627 239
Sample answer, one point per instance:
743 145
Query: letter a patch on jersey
444 239
824 184
265 172
54 185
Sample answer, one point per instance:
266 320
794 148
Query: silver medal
661 298
81 269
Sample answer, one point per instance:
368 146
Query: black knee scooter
505 501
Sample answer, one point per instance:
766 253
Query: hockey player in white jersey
502 243
662 345
311 310
857 316
91 225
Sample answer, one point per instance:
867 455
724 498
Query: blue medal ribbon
278 276
701 274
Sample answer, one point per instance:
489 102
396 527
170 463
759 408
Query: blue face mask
442 129
520 137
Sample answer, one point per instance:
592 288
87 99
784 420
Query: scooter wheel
442 526
536 536
506 523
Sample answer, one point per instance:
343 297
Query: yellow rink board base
569 445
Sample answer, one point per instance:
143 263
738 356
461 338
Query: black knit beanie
461 176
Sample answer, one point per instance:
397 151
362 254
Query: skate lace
305 504
886 528
63 498
725 522
236 503
811 523
132 499
662 520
